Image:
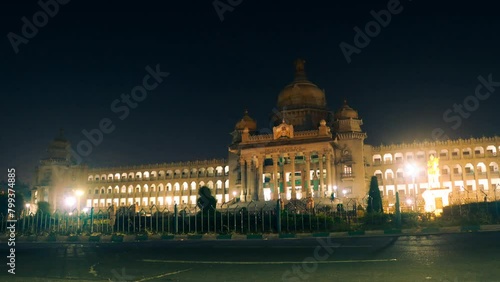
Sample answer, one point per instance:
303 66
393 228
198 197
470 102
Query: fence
243 219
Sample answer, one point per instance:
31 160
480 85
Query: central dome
301 93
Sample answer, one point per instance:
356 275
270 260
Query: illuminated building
308 151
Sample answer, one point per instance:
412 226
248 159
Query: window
455 170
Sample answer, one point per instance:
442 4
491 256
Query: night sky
426 59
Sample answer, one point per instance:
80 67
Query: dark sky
427 59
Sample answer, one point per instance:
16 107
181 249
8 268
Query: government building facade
311 152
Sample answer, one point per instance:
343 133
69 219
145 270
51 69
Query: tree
43 207
374 198
205 199
16 204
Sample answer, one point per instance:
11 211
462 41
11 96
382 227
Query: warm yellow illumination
70 201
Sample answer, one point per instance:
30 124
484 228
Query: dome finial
300 73
345 102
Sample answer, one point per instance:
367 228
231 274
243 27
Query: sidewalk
272 236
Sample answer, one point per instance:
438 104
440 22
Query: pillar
243 179
328 172
275 177
249 186
260 192
321 189
292 159
307 181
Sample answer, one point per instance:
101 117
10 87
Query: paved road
450 257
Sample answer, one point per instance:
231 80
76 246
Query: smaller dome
246 122
346 112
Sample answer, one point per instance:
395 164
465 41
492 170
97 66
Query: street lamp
69 201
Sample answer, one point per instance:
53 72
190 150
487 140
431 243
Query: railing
245 218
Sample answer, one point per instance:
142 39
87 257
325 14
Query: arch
478 151
378 173
467 153
201 184
124 176
154 175
103 177
169 174
117 189
138 175
130 189
389 174
185 186
481 168
219 171
168 187
409 156
445 170
97 177
455 153
177 187
210 184
117 176
153 188
202 171
210 171
146 175
177 173
194 172
160 187
131 175
90 178
226 183
432 153
110 177
469 168
138 189
161 174
493 167
420 155
457 169
398 158
388 158
193 185
96 191
123 189
400 173
226 170
491 150
145 188
218 184
377 159
443 153
110 190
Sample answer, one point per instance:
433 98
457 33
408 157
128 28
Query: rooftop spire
300 73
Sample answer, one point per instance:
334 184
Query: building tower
350 162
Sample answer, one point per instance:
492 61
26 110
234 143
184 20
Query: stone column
321 190
243 179
328 171
260 192
250 178
275 177
306 178
292 159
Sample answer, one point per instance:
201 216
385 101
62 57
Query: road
447 257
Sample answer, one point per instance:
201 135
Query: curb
268 236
